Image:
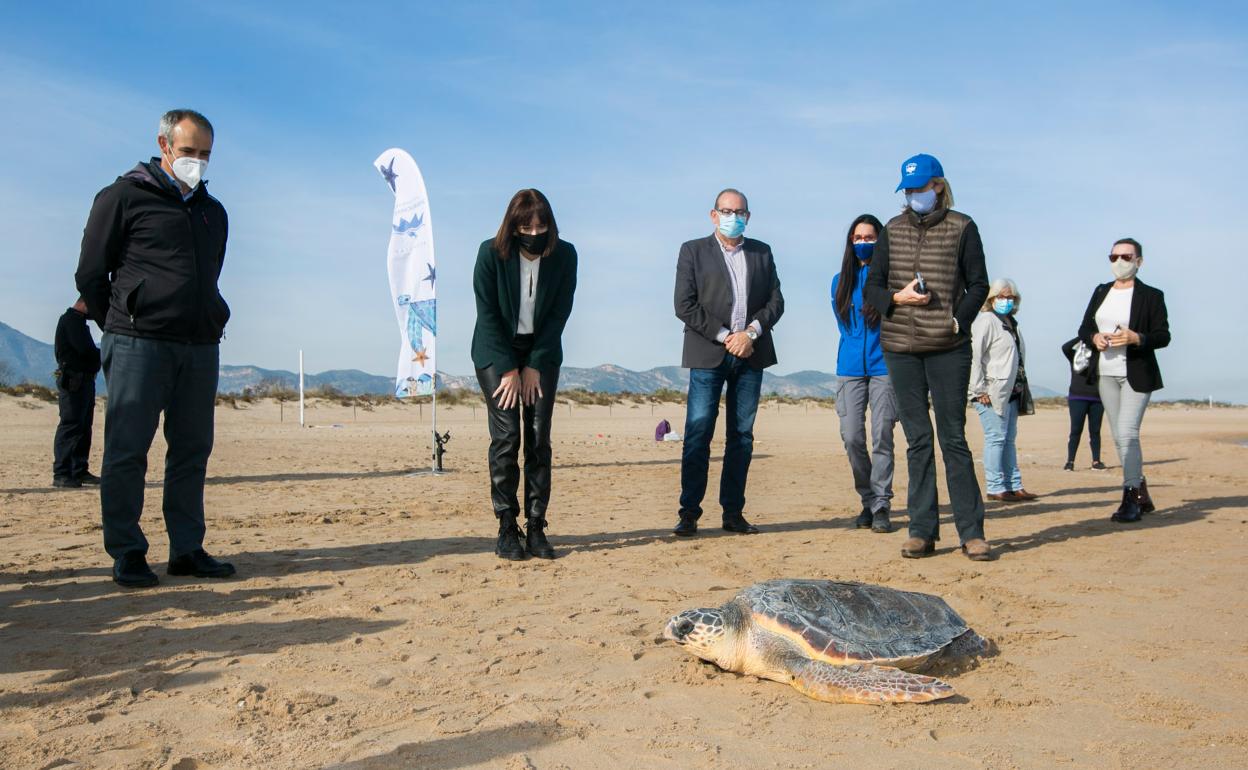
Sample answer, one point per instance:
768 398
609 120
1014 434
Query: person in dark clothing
152 252
1083 400
524 281
78 361
928 281
728 295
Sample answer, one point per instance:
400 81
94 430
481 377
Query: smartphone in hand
921 286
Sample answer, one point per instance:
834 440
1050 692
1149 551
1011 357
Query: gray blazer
704 300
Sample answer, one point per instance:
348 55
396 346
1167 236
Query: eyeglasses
730 212
1123 257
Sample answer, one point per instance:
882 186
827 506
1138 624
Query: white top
734 259
1114 312
529 269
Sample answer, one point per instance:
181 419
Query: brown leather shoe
978 550
917 548
1002 497
1022 494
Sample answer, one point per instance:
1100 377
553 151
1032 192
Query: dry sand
372 626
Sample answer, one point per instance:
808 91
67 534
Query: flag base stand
439 449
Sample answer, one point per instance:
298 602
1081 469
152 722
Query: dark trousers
945 376
507 426
71 447
701 412
1092 412
146 377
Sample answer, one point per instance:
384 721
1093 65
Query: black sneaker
1097 465
64 482
89 478
131 571
880 522
1069 466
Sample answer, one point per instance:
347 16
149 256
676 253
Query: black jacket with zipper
150 260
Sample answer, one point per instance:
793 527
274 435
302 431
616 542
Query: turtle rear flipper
865 683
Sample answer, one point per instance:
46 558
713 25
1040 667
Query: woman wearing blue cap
863 379
928 281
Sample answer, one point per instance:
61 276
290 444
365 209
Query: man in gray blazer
728 296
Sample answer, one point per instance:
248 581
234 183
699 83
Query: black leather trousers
506 428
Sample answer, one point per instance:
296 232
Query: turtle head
703 631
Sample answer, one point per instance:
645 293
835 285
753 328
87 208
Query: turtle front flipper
865 683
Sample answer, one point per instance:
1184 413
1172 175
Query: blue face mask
731 226
922 202
1003 306
864 251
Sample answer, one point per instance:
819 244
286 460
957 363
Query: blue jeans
146 377
1001 473
701 411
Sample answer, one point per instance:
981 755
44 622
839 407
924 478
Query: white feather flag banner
413 274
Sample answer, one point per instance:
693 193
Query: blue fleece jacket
859 353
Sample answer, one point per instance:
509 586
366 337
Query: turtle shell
849 622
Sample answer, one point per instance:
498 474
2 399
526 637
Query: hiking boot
917 548
977 550
509 546
535 540
864 519
880 522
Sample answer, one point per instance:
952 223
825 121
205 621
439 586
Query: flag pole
301 388
436 459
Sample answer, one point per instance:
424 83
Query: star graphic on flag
388 173
433 275
420 356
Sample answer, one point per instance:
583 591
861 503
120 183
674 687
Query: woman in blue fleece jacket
863 379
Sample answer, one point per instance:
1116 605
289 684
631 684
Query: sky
1061 127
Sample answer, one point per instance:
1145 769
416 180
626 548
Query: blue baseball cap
917 170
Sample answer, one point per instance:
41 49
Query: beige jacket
994 360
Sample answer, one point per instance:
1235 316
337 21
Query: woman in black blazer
524 280
1126 321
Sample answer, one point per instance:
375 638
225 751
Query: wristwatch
749 332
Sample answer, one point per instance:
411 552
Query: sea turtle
834 641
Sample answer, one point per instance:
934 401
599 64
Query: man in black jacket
152 252
728 295
78 361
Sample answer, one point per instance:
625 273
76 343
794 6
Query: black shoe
880 522
1146 500
199 564
89 478
1097 465
131 571
739 525
63 482
686 527
535 540
509 546
864 519
1069 466
1129 511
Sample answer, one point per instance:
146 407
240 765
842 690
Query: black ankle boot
509 546
1129 511
1146 500
535 538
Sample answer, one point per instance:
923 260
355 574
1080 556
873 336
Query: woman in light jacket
998 388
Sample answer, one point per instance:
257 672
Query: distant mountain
25 359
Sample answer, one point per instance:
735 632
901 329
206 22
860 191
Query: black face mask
534 244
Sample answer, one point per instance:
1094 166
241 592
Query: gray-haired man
152 252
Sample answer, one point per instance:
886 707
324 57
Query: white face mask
189 171
1124 270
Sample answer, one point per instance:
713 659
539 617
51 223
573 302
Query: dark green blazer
496 284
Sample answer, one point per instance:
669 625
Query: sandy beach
371 625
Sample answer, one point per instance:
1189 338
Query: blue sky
1061 126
